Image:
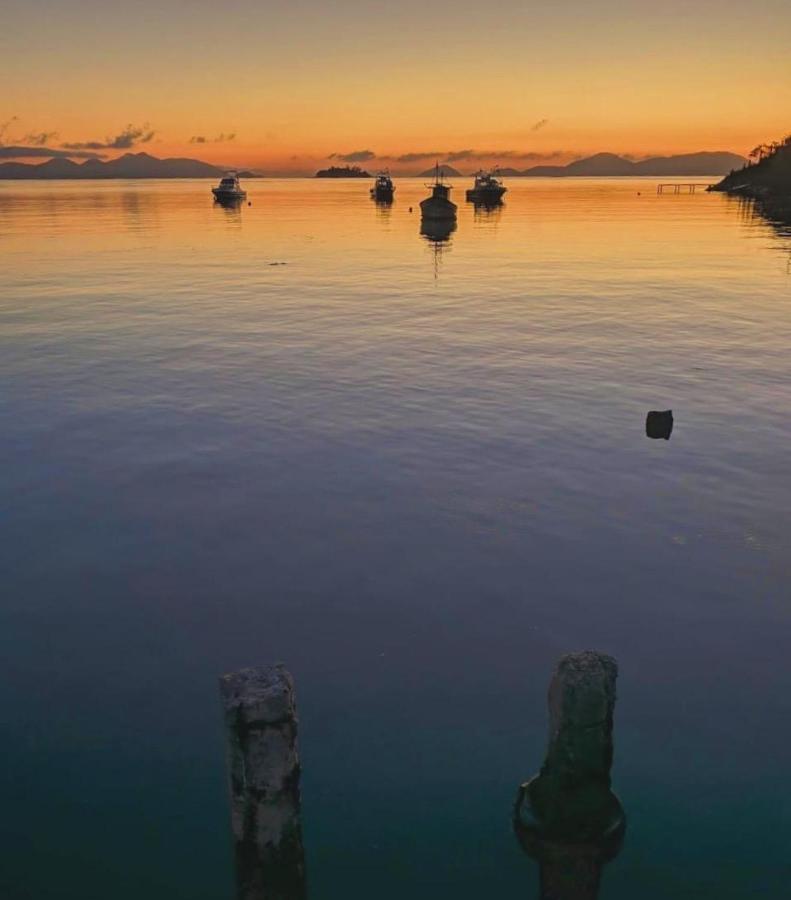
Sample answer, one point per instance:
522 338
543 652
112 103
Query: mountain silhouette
130 165
610 164
444 169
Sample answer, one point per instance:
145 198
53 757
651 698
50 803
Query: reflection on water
437 233
384 210
231 207
419 493
488 212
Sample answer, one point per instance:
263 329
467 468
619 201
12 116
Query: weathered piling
567 817
263 768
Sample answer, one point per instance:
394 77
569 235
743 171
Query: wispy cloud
541 123
458 155
220 139
4 126
128 138
39 139
16 152
419 156
354 156
472 155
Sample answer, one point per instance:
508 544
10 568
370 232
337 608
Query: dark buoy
410 209
659 424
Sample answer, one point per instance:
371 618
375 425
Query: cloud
220 139
129 137
48 152
39 139
4 126
354 156
541 123
456 155
420 156
470 154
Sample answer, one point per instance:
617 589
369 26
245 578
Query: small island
342 172
766 180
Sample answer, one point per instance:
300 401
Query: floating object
487 189
438 205
229 189
383 188
659 424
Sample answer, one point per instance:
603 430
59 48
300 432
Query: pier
682 187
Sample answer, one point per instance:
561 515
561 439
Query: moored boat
229 189
487 189
383 188
438 205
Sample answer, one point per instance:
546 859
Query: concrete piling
263 767
567 817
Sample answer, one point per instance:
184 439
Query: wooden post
263 768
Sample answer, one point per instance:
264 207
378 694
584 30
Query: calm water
416 472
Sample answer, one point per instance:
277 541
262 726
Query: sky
295 85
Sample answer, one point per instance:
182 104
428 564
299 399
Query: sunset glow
285 87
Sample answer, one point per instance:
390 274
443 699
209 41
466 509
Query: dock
682 187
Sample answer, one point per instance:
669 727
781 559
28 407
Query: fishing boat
487 189
383 188
439 204
229 190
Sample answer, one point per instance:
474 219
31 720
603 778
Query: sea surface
416 471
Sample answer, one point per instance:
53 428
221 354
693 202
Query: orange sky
295 82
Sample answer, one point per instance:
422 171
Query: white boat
488 189
229 189
383 187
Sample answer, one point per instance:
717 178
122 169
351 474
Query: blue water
417 473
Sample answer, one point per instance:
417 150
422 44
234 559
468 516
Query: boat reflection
437 233
232 210
488 213
384 210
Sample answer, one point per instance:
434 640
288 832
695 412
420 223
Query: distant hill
130 165
610 164
342 172
444 169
